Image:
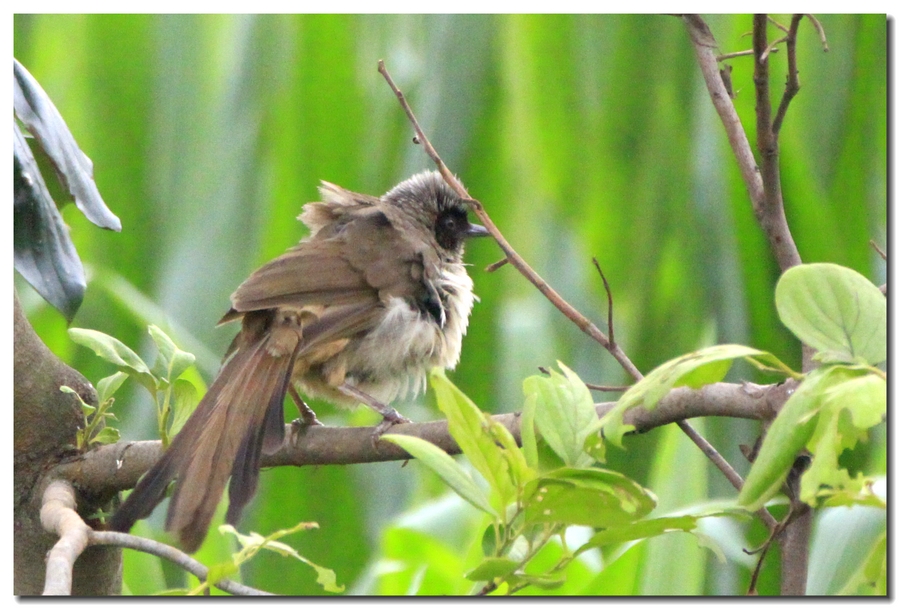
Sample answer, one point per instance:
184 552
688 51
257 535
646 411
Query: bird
357 312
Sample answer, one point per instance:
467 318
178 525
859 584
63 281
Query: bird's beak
477 230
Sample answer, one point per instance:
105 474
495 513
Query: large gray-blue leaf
75 170
44 253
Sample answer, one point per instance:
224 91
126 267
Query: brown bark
45 420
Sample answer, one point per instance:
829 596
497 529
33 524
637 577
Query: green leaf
172 361
444 466
519 469
109 348
107 435
791 430
114 351
106 387
834 310
221 571
492 567
253 542
468 426
695 369
183 405
587 496
564 413
788 433
639 530
849 409
527 430
871 576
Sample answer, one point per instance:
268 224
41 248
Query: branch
583 323
770 214
116 467
705 48
792 87
173 555
763 184
58 516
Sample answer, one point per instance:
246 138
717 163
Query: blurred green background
584 136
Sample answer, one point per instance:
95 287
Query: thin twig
771 48
732 55
820 30
609 299
593 386
514 258
763 550
792 86
776 24
173 555
880 251
705 49
496 265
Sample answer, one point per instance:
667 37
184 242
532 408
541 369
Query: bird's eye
449 228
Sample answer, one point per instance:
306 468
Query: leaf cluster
175 397
532 494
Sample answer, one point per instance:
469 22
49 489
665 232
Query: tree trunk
45 421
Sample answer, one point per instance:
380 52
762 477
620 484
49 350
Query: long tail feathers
240 416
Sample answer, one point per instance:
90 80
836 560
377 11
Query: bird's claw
300 425
391 418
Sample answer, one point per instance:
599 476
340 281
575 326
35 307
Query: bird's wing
365 259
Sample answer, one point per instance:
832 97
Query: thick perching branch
116 467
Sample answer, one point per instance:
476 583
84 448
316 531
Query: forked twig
792 86
583 323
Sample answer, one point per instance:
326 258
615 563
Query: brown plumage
362 308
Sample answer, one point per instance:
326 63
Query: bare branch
609 299
58 516
705 50
173 555
792 87
727 56
770 214
820 30
583 323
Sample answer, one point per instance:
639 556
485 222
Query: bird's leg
307 416
391 416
